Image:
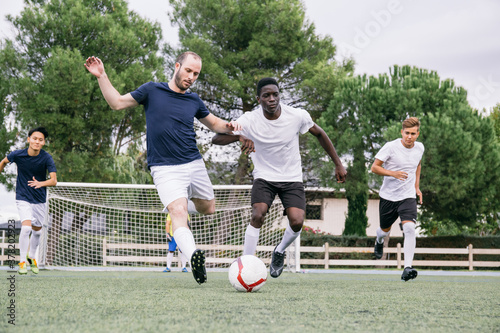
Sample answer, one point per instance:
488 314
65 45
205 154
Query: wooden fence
327 250
324 262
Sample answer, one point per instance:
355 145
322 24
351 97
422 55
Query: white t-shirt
397 157
277 156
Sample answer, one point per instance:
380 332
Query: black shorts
390 211
292 194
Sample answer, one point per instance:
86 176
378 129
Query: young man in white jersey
399 161
176 165
33 164
271 134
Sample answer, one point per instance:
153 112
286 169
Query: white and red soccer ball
247 273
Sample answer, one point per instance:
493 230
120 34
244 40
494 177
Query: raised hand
95 66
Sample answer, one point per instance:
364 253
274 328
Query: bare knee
296 225
210 209
295 218
258 218
206 207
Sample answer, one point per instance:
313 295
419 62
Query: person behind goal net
176 165
172 246
271 135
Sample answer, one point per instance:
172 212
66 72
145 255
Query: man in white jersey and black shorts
399 161
271 134
176 165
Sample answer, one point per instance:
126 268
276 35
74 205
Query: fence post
398 255
471 258
3 241
104 246
327 254
297 254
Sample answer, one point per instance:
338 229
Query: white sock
192 208
170 257
288 239
409 243
185 241
381 234
24 242
251 240
34 241
183 260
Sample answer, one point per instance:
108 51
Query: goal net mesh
124 226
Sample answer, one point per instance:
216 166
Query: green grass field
71 301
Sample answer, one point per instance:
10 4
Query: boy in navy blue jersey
175 162
33 163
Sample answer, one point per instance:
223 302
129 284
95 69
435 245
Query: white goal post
123 226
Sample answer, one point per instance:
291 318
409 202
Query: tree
461 182
50 86
242 41
7 136
365 112
495 117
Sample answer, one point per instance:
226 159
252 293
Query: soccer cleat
409 273
277 263
22 268
33 265
184 270
198 266
166 270
379 250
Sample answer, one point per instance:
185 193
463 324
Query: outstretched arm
116 101
220 126
247 145
326 143
3 163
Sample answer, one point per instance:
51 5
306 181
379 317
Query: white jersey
397 157
277 155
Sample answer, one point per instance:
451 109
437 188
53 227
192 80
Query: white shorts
188 181
34 212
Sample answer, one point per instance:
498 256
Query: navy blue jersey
170 135
29 167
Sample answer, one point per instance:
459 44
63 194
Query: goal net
119 226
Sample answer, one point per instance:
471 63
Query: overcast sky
457 38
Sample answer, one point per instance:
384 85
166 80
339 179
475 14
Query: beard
179 83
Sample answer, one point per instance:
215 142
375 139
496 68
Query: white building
327 212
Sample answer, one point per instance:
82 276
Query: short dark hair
264 82
180 59
41 130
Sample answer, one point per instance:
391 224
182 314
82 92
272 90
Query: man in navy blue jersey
175 162
33 163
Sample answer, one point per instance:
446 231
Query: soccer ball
247 273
